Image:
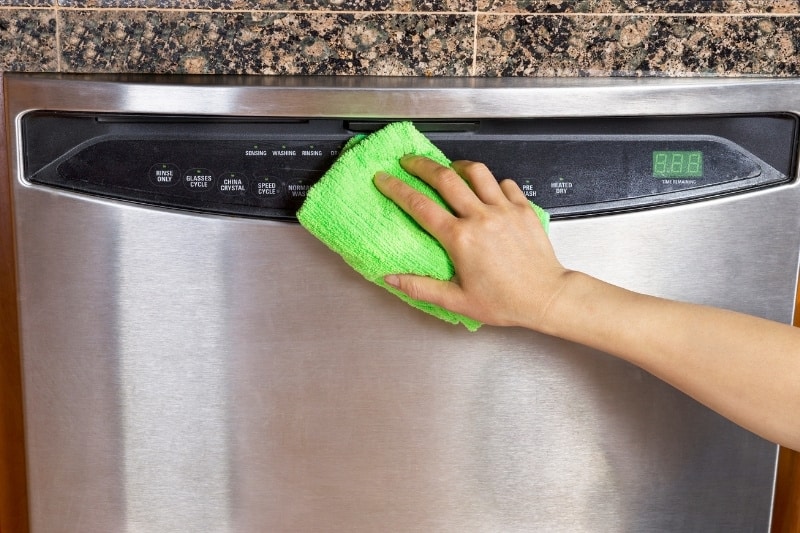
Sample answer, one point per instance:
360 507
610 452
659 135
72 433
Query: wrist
570 304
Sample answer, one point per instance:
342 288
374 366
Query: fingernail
381 176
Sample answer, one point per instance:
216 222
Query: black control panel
242 177
263 168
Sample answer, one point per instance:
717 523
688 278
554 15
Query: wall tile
28 40
460 6
246 5
543 45
28 3
404 37
640 6
266 43
522 6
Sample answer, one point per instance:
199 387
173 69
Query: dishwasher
193 360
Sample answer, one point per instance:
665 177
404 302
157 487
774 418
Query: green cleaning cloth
349 214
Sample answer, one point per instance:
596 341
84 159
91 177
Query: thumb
442 293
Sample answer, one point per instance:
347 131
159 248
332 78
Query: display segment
677 164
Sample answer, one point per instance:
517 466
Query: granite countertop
404 37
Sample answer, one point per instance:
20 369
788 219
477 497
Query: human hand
506 270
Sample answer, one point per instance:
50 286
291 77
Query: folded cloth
349 214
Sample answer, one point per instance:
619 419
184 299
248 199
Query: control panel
249 177
263 168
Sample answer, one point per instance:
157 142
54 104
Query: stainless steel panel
198 373
387 97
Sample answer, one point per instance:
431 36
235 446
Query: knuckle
412 289
474 168
417 202
444 177
395 185
460 238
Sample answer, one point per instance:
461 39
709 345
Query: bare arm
745 368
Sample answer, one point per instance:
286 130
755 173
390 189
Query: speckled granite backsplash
404 37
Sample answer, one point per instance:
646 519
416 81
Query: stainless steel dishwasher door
188 372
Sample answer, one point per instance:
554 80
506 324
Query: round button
266 188
232 183
297 189
164 174
528 188
198 179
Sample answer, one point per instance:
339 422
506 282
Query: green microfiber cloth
349 214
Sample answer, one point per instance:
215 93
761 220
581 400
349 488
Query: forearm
745 368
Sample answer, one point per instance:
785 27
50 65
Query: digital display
677 164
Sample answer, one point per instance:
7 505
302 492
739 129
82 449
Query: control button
297 189
232 183
528 188
266 187
198 179
562 186
164 175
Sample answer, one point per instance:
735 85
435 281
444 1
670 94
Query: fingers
450 185
490 235
428 214
442 293
464 185
481 180
512 191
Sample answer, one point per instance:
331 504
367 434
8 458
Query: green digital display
677 164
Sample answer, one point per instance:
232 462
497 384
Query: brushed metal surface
391 97
185 372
